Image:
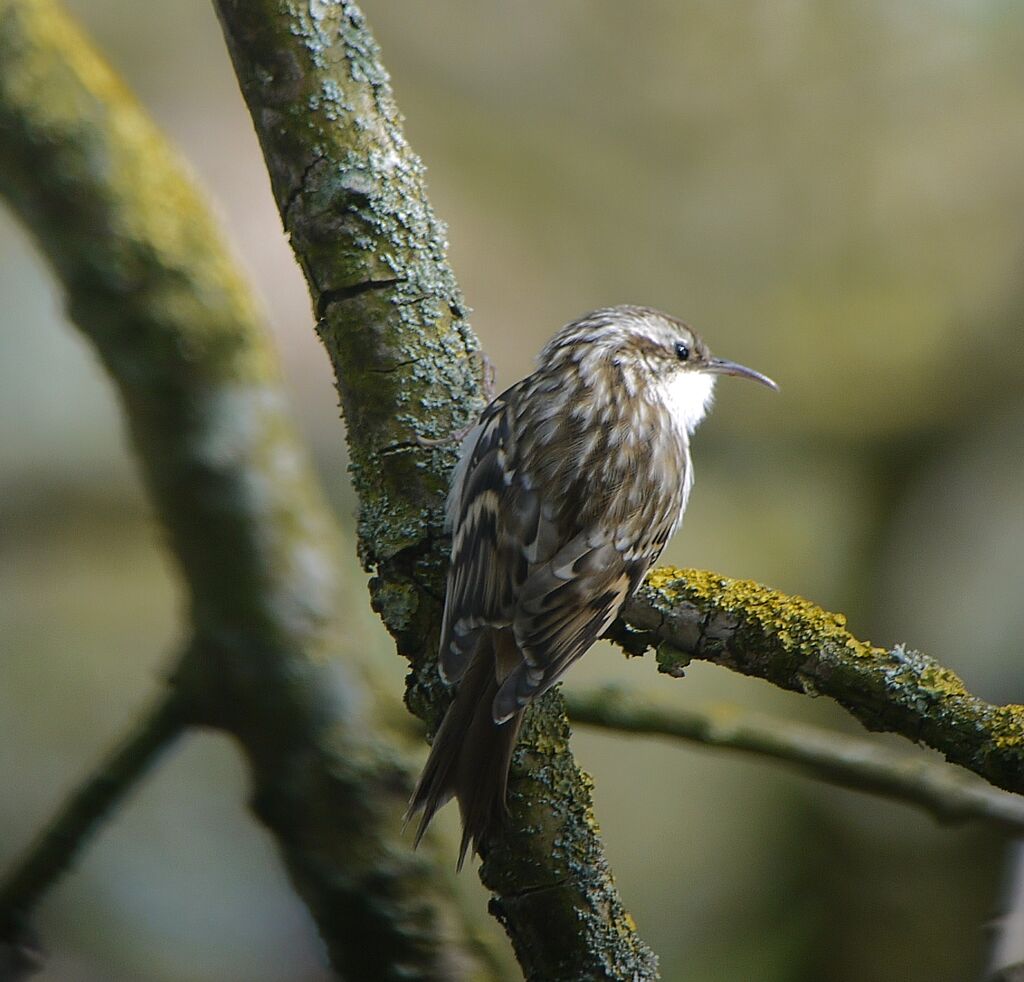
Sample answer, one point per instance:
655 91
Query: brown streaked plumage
566 492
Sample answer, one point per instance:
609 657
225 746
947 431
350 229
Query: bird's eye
682 350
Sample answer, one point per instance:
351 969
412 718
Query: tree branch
948 794
350 192
798 646
54 850
150 284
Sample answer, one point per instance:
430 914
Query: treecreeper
567 490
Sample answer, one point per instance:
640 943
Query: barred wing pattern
566 492
528 563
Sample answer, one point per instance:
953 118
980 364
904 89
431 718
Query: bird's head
649 354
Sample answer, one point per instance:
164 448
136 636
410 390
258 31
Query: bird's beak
720 366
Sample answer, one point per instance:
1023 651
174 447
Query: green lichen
1007 725
554 859
393 321
149 282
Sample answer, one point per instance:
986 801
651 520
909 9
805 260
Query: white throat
688 397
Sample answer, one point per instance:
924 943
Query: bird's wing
493 513
528 555
564 606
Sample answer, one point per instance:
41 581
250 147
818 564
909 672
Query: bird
566 491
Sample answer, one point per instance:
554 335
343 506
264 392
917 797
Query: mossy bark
150 285
796 645
149 282
351 196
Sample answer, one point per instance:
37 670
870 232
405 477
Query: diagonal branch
150 284
865 765
351 195
796 645
57 845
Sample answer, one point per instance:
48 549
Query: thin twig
149 283
53 851
865 765
796 645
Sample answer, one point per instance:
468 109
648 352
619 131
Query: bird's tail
471 754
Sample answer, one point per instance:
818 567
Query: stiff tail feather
471 754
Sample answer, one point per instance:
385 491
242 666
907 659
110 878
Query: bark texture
796 645
148 281
351 196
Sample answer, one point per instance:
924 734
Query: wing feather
560 616
492 512
526 555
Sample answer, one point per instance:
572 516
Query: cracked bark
351 195
326 297
149 284
179 336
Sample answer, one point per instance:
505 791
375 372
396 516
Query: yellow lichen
790 621
1008 727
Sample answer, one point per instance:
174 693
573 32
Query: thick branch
351 195
795 645
149 282
948 794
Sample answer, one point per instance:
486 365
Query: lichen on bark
352 199
150 284
797 645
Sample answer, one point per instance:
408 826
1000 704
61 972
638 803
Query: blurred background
832 193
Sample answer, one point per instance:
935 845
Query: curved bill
720 366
